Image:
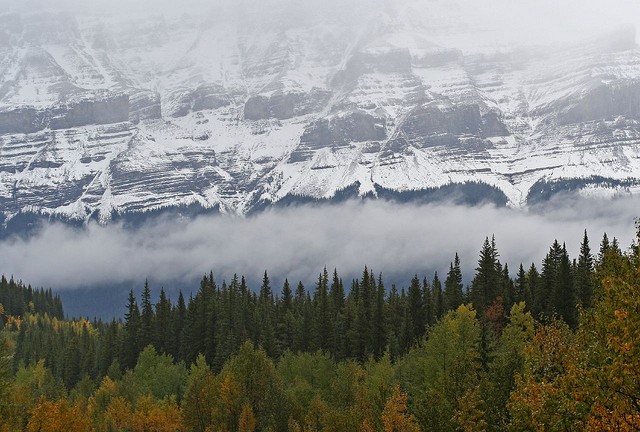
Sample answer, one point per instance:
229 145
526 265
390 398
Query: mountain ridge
98 119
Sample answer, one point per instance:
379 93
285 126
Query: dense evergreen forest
551 348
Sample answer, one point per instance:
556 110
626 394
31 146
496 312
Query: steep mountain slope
234 109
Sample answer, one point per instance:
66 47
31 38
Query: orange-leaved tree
395 417
58 416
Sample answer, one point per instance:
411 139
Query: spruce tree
224 341
453 286
415 312
406 330
438 300
428 312
486 285
300 336
486 290
307 323
322 330
265 317
130 344
71 370
287 296
147 317
604 248
393 321
338 339
564 295
378 321
87 352
367 300
584 272
520 287
209 310
547 289
337 292
248 304
107 348
300 297
286 319
179 314
192 334
162 340
508 289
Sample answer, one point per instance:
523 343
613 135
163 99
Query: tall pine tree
146 318
487 283
130 342
453 286
584 272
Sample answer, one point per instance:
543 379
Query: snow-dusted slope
237 108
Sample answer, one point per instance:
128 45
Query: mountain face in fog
237 108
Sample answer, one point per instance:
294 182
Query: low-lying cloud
298 242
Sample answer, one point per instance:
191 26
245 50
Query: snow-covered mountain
236 108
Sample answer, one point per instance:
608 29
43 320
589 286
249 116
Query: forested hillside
553 347
17 300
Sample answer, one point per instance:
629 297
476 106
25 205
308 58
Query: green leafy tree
439 373
6 376
156 375
260 387
200 396
306 376
507 363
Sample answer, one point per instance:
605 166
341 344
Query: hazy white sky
520 21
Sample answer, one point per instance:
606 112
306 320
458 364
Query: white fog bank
298 242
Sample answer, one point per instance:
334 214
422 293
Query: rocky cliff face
103 109
100 119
